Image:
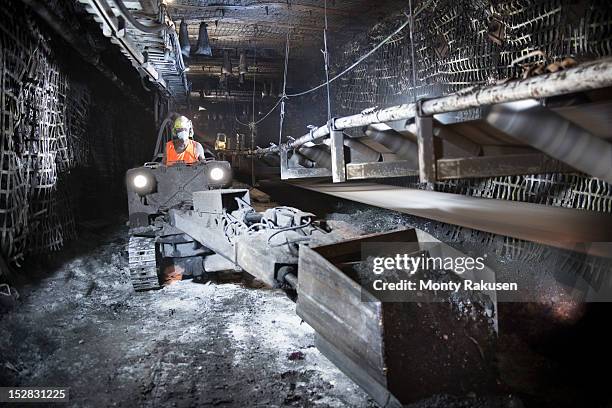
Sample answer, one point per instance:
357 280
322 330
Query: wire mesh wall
43 124
459 44
462 43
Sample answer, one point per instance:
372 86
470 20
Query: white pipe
588 76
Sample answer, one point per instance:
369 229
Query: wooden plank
342 251
355 372
505 165
332 304
360 171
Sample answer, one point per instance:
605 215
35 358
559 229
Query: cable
282 112
137 24
241 123
253 127
269 112
296 227
286 96
264 117
351 67
372 51
326 61
287 242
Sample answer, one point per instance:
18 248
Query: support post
426 148
337 153
284 160
253 179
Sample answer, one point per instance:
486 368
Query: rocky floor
215 344
78 323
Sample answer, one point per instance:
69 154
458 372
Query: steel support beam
260 7
492 166
337 156
426 149
586 77
360 171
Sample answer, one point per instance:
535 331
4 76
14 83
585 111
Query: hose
160 133
296 227
137 24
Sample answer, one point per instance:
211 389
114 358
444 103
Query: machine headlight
217 174
140 181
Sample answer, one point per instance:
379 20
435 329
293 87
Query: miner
182 148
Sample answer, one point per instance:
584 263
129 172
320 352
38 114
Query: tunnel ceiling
257 28
260 28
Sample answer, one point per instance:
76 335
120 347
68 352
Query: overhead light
203 47
184 39
227 63
264 91
243 63
242 66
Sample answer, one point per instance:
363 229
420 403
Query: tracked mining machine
399 352
187 216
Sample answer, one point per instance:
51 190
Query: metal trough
397 352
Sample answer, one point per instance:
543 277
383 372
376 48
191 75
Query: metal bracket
337 152
426 148
298 172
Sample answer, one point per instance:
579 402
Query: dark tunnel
308 203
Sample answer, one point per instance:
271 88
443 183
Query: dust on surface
215 344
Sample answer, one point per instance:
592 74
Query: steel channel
588 76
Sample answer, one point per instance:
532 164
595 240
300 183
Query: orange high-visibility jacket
189 155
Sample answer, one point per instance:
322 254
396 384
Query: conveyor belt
555 226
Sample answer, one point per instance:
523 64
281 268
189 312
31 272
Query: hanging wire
413 62
253 124
283 97
263 117
326 61
359 61
254 84
327 82
240 122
